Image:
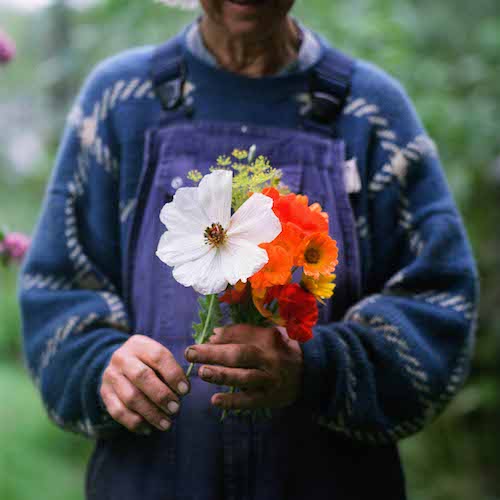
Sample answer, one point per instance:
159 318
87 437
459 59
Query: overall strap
329 86
168 73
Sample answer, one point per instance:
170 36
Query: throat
253 58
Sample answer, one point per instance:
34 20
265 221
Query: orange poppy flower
290 239
278 269
302 198
318 255
289 209
272 193
294 208
316 207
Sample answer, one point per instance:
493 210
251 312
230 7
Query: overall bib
289 456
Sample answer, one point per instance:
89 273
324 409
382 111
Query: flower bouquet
240 238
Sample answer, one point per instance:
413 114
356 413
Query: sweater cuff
313 393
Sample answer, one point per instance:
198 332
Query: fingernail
206 372
218 330
183 388
164 424
190 354
173 406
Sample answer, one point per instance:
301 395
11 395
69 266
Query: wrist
312 388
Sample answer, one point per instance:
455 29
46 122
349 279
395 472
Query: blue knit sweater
382 373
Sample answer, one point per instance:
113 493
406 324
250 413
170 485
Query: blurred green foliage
446 54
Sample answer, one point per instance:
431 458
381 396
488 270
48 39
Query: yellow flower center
312 255
215 235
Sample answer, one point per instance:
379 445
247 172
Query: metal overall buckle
171 92
323 105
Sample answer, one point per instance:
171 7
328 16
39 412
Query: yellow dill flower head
321 288
249 175
240 154
223 161
195 176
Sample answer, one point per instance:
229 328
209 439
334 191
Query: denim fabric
240 458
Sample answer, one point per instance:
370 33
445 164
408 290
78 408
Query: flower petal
255 220
204 275
241 259
178 248
214 194
184 214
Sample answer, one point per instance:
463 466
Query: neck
252 57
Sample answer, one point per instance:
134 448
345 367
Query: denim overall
286 457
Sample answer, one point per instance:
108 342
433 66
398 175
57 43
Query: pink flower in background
7 48
14 246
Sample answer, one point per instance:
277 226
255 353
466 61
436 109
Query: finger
146 380
121 414
136 401
157 356
240 400
237 377
234 334
231 355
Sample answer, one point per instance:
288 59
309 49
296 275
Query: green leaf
210 316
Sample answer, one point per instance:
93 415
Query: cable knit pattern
381 374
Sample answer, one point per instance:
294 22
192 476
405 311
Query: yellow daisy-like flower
321 288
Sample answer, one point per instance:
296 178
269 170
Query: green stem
211 304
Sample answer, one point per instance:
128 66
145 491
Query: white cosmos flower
207 247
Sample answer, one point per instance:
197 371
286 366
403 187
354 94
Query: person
107 331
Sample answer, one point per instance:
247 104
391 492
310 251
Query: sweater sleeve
69 287
403 351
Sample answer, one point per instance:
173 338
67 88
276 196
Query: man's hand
263 362
142 384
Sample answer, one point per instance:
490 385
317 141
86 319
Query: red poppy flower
297 308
